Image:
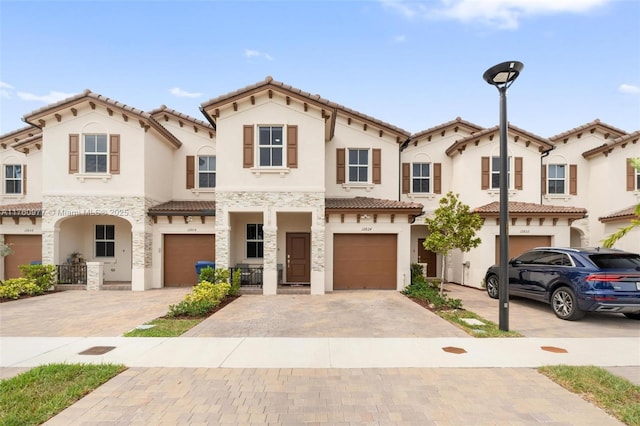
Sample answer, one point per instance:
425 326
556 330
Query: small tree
613 238
453 226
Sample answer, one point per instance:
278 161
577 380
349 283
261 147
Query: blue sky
413 64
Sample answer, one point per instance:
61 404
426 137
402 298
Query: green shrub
214 275
417 272
13 288
202 299
44 276
235 283
428 291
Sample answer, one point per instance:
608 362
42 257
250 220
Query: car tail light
605 277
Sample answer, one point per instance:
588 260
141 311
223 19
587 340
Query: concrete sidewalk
322 352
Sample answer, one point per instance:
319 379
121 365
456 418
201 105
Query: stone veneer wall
132 209
272 202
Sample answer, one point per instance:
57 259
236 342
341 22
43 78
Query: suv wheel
634 316
565 304
492 286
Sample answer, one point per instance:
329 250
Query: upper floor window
556 178
255 241
13 179
270 146
495 172
206 171
358 165
95 153
105 240
421 177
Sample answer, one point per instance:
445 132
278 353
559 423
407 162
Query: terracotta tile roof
606 148
366 203
179 208
269 82
589 126
163 110
471 127
543 143
22 133
87 95
21 210
628 213
24 144
517 207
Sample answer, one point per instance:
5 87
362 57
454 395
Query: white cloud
176 91
250 53
400 38
53 96
5 90
502 14
629 88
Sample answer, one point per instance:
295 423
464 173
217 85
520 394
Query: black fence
72 273
250 276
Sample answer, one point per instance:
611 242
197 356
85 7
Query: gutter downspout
209 119
543 155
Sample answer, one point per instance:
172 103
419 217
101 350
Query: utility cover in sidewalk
554 349
97 350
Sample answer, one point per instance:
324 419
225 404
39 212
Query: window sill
12 196
197 191
367 186
282 171
91 176
496 192
564 197
426 195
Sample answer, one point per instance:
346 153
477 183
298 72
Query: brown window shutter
518 172
377 166
292 146
631 176
543 179
484 175
114 154
191 171
340 165
573 179
406 178
24 179
437 178
74 153
247 147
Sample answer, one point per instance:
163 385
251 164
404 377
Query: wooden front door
428 257
298 257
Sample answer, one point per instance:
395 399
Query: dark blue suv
574 280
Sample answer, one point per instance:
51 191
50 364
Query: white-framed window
255 241
358 165
495 172
13 179
206 171
637 180
556 178
96 151
270 146
105 240
421 177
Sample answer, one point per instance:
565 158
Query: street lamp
502 76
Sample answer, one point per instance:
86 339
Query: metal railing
250 276
72 273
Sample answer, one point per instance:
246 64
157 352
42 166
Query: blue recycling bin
201 264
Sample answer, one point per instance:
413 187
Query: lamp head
502 75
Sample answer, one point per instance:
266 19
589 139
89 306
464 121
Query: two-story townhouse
619 185
307 190
568 178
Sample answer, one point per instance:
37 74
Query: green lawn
33 397
165 327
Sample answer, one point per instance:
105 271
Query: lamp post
502 76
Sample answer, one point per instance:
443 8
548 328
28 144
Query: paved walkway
370 370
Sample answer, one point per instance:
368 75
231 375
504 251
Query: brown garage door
518 244
364 261
26 249
181 252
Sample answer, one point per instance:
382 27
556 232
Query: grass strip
165 327
33 397
616 395
488 329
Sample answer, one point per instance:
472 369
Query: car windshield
616 261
